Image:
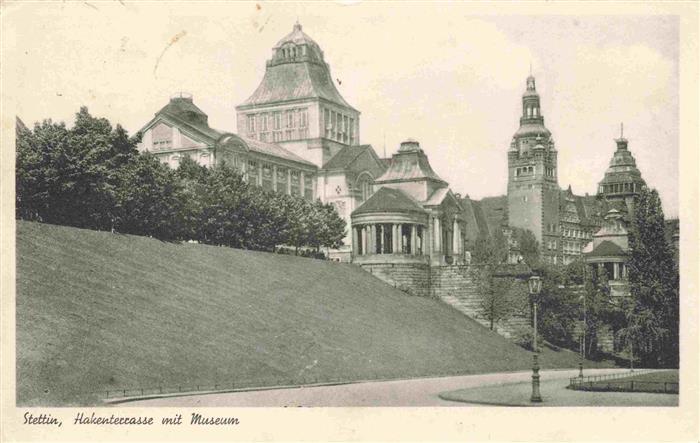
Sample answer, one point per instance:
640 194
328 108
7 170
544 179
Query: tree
652 329
496 293
148 199
528 245
69 176
559 307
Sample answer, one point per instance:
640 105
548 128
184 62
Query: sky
450 77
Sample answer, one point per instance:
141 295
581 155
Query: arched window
364 186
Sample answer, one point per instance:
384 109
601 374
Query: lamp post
535 286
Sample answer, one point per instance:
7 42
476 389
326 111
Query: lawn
658 381
99 312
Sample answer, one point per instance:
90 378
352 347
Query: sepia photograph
217 206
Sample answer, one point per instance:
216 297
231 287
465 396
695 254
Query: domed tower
533 191
297 104
622 180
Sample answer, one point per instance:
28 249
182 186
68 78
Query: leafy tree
69 176
329 226
497 294
652 318
148 199
528 245
490 249
558 307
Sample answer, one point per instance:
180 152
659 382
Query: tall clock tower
533 189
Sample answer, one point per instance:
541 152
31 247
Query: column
413 239
395 238
616 271
274 177
380 238
438 235
259 173
289 181
373 238
364 240
301 184
354 241
455 233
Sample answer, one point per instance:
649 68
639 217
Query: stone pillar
260 168
438 235
455 234
616 271
373 237
274 177
397 238
354 241
413 239
380 238
363 232
289 181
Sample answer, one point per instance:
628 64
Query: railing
612 382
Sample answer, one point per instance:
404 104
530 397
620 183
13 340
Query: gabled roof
389 200
182 113
607 249
344 158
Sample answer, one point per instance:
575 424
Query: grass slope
99 311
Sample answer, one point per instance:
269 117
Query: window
263 122
327 122
278 120
251 123
303 118
253 172
290 119
295 183
162 137
282 180
267 177
308 187
352 131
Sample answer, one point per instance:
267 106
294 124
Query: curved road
411 392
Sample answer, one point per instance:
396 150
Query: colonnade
388 238
614 270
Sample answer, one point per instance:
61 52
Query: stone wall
411 278
458 286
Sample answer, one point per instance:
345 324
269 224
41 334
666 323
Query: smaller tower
622 180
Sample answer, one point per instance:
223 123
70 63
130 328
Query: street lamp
535 286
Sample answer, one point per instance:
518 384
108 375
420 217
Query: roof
185 109
343 158
622 167
184 113
409 164
531 129
273 150
389 200
495 210
437 197
607 249
296 81
297 37
303 75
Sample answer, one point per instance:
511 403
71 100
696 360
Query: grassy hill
98 311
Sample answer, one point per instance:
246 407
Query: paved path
413 392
